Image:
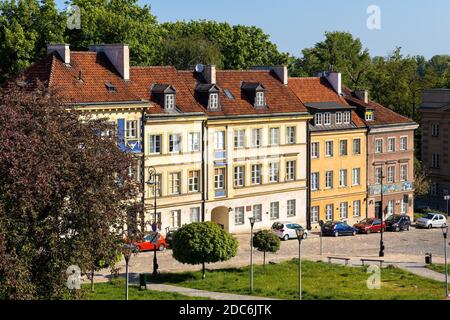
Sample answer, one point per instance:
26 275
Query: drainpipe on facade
204 168
143 161
367 173
308 178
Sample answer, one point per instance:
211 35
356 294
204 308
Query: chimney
209 74
280 71
335 79
118 55
362 95
62 49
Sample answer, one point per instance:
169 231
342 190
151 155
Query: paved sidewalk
201 293
420 270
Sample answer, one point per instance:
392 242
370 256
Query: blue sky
419 27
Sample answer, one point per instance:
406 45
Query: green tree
421 180
266 241
341 52
184 53
203 242
55 173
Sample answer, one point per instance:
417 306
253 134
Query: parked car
370 225
432 220
398 223
337 229
147 246
286 230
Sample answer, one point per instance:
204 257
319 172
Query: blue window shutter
121 133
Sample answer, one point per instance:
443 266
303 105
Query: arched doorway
220 216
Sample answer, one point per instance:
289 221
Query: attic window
260 99
369 115
229 94
110 87
169 101
214 101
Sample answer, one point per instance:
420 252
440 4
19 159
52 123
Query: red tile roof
383 115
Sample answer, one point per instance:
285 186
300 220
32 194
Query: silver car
286 230
432 220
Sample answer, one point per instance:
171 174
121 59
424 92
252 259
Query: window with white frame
404 204
174 143
347 117
378 175
194 142
291 208
379 146
256 138
175 220
369 115
315 153
329 148
404 143
391 144
239 139
343 148
131 129
356 176
356 146
195 215
274 210
435 130
327 118
214 101
339 118
404 172
329 212
343 210
274 138
343 178
315 181
256 174
169 102
435 160
391 174
357 208
290 170
318 119
291 135
273 172
257 212
175 183
329 179
219 140
194 181
390 207
315 214
155 144
219 178
260 100
239 176
239 216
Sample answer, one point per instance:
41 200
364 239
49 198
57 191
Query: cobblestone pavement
401 249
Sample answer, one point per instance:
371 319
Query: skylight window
110 87
228 94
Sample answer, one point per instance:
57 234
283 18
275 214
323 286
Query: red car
370 225
147 246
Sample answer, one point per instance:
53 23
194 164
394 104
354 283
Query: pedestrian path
420 270
201 293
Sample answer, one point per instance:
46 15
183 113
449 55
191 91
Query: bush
203 242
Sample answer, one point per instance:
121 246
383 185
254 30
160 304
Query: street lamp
381 177
300 233
127 251
445 233
153 181
252 223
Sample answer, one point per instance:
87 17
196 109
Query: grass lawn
436 267
321 281
115 290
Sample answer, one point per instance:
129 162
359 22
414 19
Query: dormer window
214 101
207 94
260 100
318 119
347 117
255 93
169 101
369 115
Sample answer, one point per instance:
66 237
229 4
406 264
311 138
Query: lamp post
300 233
381 177
445 233
153 181
252 223
127 251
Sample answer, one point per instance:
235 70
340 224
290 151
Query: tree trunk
264 261
92 280
203 271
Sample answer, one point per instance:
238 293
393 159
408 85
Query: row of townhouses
229 145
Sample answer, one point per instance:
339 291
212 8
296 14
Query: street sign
153 237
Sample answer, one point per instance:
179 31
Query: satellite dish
199 68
